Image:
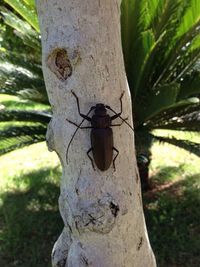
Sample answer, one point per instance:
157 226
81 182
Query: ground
30 221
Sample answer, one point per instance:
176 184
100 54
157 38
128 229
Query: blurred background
161 45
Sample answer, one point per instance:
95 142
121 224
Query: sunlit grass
14 102
191 136
29 218
22 161
30 221
172 209
172 156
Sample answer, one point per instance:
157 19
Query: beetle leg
78 127
121 100
115 116
115 157
84 127
119 124
91 159
81 114
118 115
121 109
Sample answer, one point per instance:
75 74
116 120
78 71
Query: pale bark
102 211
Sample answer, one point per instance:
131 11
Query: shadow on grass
168 173
30 221
172 217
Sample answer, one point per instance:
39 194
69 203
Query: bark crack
114 209
140 243
84 260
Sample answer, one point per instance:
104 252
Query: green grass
29 218
172 208
14 102
30 221
173 221
29 189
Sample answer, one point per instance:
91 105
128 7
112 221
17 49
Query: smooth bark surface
102 211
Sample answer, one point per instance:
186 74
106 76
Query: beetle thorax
100 110
100 119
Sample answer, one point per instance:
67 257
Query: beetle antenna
78 127
108 107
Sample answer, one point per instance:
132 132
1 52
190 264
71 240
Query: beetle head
100 110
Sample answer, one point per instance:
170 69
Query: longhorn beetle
101 133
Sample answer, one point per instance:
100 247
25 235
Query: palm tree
161 48
21 75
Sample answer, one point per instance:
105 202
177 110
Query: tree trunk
102 211
143 145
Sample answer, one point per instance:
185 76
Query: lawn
29 218
30 221
172 208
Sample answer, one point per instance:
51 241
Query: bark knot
59 63
98 216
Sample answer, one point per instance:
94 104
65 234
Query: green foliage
192 147
172 219
30 220
26 9
172 207
29 216
161 47
19 136
18 115
21 75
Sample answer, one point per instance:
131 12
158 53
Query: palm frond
24 130
8 145
189 146
13 77
27 10
134 36
15 80
188 122
22 28
19 144
30 116
21 73
190 85
171 64
164 27
154 102
38 94
179 110
20 136
146 47
30 3
23 61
